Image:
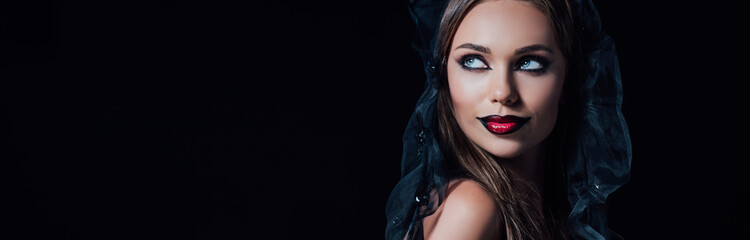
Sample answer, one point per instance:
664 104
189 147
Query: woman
519 133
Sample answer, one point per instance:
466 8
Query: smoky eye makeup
473 62
532 64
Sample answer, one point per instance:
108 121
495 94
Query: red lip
502 124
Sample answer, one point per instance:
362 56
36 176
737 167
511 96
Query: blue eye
534 64
473 62
530 65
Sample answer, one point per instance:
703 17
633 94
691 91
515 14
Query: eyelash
463 59
542 61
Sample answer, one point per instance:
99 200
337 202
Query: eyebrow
475 47
536 47
532 48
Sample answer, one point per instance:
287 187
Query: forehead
505 25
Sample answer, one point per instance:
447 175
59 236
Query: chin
503 148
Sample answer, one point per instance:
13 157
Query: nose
502 89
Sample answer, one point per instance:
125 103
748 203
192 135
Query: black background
226 120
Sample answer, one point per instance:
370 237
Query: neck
529 168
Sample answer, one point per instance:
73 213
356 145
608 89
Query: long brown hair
520 219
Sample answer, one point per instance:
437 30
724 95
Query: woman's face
505 74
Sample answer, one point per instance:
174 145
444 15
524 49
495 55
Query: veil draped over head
599 164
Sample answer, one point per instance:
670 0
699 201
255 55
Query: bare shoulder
468 212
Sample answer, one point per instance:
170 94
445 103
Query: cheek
542 96
466 93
